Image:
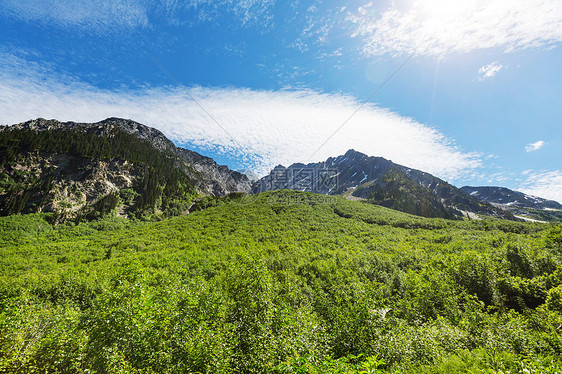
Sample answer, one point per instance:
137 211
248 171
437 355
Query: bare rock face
72 183
47 180
524 206
208 176
214 179
379 181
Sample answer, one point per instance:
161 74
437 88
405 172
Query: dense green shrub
283 283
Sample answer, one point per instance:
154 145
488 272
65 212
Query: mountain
379 181
522 205
88 169
250 174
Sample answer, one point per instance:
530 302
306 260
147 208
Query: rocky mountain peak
47 162
102 128
154 136
520 204
379 181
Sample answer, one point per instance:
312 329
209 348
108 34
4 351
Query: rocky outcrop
67 184
520 204
115 165
379 181
208 176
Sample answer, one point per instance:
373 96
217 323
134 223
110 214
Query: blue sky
478 101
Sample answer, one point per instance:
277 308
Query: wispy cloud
268 127
531 147
489 70
438 28
96 15
316 27
245 11
106 15
252 10
546 184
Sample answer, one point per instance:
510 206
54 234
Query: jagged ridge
518 203
78 169
379 181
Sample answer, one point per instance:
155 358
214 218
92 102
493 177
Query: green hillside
30 179
396 191
280 282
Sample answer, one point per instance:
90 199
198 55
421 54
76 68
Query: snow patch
530 219
365 176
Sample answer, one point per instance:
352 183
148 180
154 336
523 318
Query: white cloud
489 70
246 11
108 15
440 27
99 15
268 127
534 146
545 184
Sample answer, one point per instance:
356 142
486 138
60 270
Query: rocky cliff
379 181
80 169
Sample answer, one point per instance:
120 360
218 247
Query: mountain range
523 206
86 170
379 181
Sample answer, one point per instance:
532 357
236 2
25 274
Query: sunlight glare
445 8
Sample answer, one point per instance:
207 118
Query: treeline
164 186
397 191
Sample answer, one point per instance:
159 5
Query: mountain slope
518 203
86 169
381 182
287 280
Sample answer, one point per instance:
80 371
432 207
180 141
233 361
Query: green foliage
396 191
545 215
284 282
164 187
554 238
128 195
554 299
344 365
491 361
